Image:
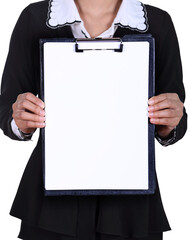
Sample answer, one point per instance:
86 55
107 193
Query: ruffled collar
132 14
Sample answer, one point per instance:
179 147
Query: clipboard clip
114 44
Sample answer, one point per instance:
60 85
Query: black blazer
137 215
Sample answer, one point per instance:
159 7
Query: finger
167 113
167 103
35 100
171 122
29 106
161 97
25 116
30 124
157 99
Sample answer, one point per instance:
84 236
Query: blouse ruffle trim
132 14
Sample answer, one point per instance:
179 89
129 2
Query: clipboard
98 139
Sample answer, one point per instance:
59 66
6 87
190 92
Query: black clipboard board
78 48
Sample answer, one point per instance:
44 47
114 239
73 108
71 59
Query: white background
173 163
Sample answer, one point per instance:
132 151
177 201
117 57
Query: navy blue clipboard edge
151 127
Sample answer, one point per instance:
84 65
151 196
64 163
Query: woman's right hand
28 112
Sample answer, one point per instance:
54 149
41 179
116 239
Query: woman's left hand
166 111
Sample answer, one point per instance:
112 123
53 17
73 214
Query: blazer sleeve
18 75
169 77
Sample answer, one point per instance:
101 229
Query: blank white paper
96 134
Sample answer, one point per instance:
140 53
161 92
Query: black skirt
87 226
31 233
84 233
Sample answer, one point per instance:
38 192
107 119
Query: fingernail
42 113
42 118
42 124
42 105
150 101
151 114
151 108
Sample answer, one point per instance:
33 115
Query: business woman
22 112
